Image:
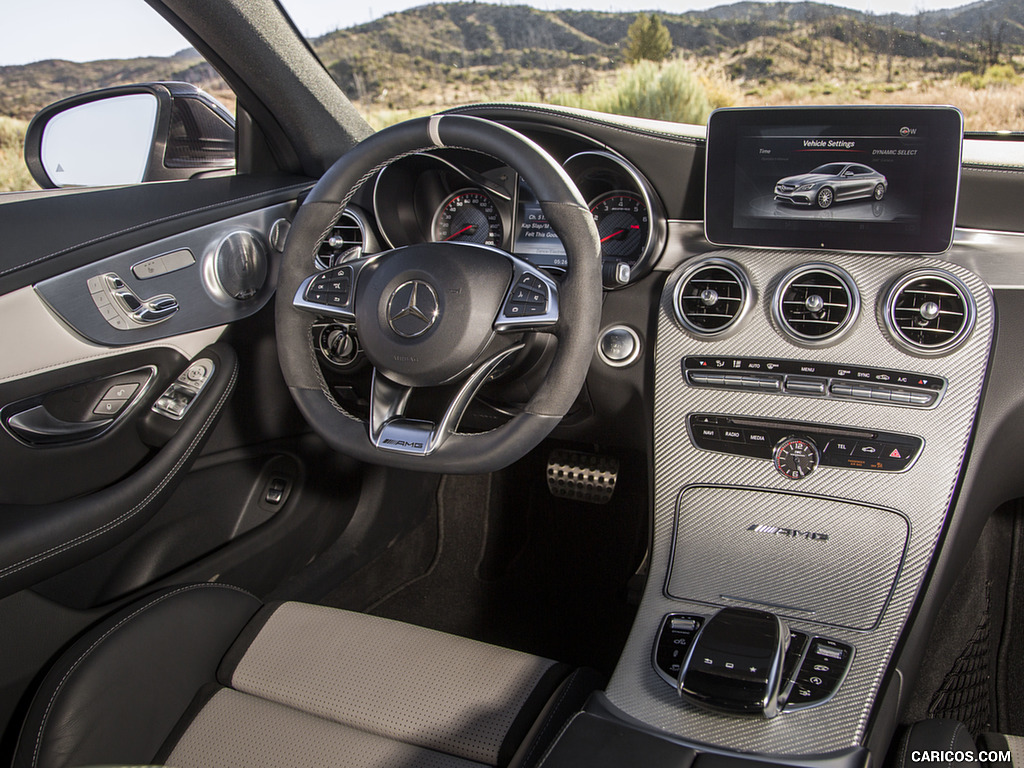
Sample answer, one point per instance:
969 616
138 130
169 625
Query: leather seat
205 675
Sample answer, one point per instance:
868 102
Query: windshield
672 64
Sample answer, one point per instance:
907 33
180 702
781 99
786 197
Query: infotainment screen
876 179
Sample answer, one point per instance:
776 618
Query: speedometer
468 216
622 224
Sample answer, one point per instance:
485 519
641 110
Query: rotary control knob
795 457
340 345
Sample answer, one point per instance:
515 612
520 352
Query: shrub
666 92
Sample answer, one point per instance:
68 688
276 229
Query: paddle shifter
735 663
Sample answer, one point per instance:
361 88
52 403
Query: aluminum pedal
582 476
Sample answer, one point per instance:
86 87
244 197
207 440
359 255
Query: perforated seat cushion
306 682
235 730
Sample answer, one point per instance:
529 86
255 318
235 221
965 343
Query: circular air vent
929 312
347 233
711 297
816 303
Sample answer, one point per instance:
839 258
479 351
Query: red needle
613 234
634 226
468 226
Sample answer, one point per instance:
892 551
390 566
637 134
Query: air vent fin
930 312
712 297
816 303
346 234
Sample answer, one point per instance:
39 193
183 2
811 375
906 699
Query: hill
448 53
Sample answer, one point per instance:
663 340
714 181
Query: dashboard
807 413
821 425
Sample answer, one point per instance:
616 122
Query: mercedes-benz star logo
412 309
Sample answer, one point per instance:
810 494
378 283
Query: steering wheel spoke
332 292
531 303
389 428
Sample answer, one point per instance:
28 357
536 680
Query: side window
87 103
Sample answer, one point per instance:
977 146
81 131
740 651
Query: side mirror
130 134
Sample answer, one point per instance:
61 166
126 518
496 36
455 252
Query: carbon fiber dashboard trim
922 495
800 556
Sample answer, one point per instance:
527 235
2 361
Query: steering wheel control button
796 458
764 438
532 301
332 288
674 639
813 379
528 298
618 346
176 400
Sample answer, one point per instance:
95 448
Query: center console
802 477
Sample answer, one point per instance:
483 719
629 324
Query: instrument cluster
460 196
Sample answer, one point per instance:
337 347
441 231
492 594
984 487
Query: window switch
275 491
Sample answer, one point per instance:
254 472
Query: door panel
85 458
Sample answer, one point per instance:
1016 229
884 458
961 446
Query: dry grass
14 175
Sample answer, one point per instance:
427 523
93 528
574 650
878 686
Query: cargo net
964 693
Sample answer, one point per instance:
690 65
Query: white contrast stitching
108 633
34 559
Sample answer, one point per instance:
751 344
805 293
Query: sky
81 30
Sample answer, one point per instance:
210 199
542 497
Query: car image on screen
831 183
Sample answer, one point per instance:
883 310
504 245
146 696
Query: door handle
38 426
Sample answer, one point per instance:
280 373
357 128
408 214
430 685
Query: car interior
513 435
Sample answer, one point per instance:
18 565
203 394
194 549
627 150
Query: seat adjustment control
122 308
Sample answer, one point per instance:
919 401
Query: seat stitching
82 538
108 633
952 740
550 718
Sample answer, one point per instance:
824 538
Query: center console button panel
813 667
781 441
814 379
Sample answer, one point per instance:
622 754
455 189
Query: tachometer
468 216
623 224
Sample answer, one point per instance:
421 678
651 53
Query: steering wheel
435 314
